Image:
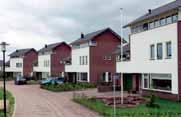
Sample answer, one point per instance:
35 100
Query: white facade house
91 57
20 63
16 66
44 65
154 51
80 62
49 60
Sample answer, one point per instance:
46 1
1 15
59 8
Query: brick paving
31 101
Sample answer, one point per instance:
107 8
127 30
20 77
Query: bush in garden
152 102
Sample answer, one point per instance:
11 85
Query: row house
49 60
91 58
154 56
21 62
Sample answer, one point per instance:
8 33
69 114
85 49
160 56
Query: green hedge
67 87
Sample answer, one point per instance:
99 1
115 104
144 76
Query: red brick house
21 62
92 57
49 62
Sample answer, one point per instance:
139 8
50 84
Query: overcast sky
34 23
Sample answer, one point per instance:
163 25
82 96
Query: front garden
67 86
11 102
164 108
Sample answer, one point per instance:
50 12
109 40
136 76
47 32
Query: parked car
20 80
52 80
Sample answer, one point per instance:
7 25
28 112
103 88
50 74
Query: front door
127 82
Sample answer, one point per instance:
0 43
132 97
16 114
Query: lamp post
122 92
3 49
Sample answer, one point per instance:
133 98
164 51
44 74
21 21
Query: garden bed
167 108
10 100
67 87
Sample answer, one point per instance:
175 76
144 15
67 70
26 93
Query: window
18 65
151 25
82 77
152 52
161 81
86 61
145 26
83 60
175 18
168 49
159 51
163 21
169 20
157 23
46 63
146 81
80 60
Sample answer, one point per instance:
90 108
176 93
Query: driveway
31 101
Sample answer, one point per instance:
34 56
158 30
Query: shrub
152 102
67 86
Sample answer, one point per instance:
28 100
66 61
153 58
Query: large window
152 51
157 82
168 49
159 51
161 81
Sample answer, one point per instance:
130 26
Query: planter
102 88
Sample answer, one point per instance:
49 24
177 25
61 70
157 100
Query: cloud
32 23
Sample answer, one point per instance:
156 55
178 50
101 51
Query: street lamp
3 49
122 91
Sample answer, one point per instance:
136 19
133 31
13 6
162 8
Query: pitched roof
92 35
154 12
20 52
50 47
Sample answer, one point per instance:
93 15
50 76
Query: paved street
31 101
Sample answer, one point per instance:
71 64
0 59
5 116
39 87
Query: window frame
161 57
152 52
167 49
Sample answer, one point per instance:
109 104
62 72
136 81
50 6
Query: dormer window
163 21
169 20
157 23
145 26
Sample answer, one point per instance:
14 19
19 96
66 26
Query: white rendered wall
140 54
13 67
76 67
41 67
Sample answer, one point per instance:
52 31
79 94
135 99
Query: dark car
20 80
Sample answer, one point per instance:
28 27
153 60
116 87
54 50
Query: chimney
149 11
82 35
46 45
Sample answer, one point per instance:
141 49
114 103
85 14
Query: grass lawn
11 103
167 109
67 87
